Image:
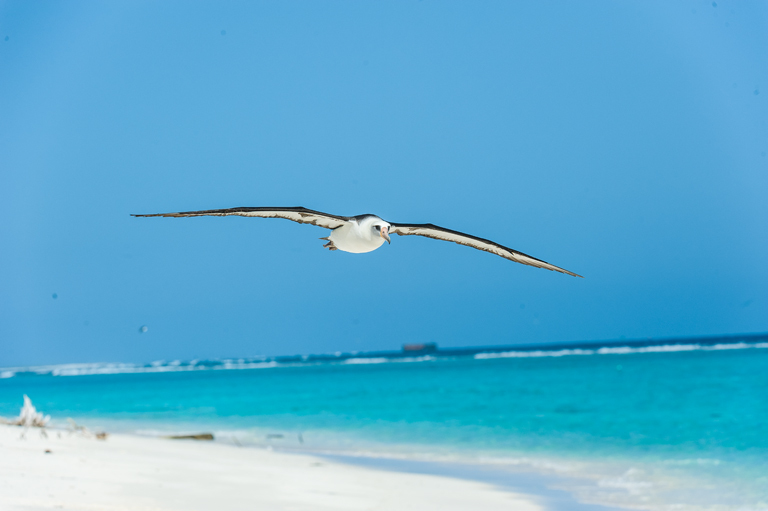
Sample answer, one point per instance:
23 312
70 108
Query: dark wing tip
545 265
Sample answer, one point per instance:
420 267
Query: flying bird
366 233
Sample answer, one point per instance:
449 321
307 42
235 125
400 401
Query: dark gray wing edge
483 240
234 211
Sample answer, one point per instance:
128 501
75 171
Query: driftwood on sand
28 417
201 436
74 427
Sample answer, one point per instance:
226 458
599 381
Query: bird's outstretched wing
300 215
441 233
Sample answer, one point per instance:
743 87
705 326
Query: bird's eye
377 227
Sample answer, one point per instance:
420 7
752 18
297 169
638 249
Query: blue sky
625 141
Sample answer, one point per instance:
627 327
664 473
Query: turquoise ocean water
673 427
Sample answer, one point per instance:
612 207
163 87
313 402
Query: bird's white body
357 236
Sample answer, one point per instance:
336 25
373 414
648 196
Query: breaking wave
623 350
356 358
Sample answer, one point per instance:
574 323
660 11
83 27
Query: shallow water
658 430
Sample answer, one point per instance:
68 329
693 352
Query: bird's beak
384 234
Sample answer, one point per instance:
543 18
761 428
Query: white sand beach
127 473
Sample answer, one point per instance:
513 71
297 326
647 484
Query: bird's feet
329 245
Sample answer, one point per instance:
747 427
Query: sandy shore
136 473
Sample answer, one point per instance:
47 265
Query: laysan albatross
365 233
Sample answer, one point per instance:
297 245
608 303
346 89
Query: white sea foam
376 360
385 360
537 353
161 366
425 358
664 348
114 368
623 350
630 482
246 365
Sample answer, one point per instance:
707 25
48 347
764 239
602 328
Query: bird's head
381 229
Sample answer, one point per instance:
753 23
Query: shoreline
131 473
543 489
368 478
